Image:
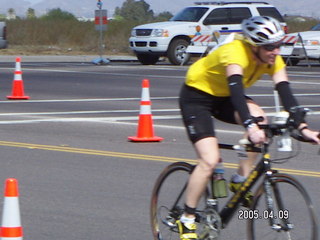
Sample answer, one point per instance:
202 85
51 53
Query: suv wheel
177 52
147 59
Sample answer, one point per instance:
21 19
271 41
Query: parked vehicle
170 39
3 35
307 46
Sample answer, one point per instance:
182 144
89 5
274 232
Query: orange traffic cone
145 131
11 228
17 87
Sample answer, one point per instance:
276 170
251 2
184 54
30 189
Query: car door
226 20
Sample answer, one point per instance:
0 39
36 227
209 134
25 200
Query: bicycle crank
209 225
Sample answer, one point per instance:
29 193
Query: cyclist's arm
234 75
282 85
288 100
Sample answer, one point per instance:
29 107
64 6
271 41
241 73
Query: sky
309 8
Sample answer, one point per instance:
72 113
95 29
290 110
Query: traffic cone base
145 139
153 139
145 131
18 97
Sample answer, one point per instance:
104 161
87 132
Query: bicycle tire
168 189
297 211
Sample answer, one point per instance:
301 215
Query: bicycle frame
262 167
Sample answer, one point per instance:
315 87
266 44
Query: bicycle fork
271 203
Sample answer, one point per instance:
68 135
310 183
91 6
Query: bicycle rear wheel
167 201
293 213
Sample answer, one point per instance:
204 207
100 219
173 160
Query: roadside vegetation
60 32
299 24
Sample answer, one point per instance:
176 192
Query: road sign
101 20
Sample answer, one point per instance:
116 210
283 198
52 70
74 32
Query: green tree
163 16
11 13
2 17
135 11
31 13
58 14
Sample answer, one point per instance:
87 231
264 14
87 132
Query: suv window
190 14
237 15
227 16
271 12
217 16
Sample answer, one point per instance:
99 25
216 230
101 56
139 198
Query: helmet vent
262 30
262 35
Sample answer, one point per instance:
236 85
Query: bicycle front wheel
167 201
293 216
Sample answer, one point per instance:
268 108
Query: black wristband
248 122
297 116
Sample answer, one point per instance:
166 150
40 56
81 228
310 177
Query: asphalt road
79 177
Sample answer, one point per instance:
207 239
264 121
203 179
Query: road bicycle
281 207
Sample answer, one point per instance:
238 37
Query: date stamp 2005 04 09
245 214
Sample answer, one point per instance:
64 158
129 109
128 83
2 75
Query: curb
67 58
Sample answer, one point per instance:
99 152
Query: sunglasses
271 47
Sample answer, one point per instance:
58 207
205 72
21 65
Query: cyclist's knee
208 152
207 166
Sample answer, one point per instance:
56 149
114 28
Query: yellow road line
136 156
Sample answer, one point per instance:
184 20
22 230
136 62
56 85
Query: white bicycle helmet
262 30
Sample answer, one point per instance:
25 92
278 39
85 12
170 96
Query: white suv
151 41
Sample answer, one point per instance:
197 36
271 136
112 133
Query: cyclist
214 87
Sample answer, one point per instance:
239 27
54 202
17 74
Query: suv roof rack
226 3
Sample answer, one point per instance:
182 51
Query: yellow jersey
209 73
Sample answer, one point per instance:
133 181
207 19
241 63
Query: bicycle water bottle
219 185
284 143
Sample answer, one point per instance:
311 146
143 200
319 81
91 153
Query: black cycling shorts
198 108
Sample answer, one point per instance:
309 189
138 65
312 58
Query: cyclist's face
268 53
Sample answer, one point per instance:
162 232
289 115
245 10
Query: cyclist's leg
196 109
208 153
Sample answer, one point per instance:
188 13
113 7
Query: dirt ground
53 50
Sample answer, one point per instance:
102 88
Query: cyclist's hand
312 135
256 135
